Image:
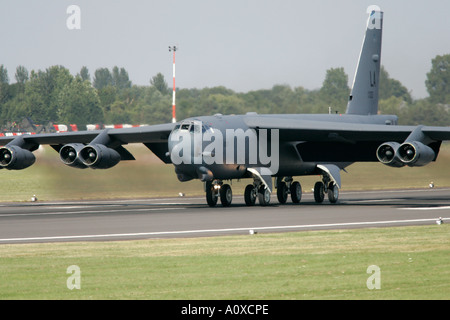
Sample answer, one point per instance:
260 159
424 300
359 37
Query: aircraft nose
179 148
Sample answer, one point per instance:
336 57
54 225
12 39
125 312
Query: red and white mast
173 49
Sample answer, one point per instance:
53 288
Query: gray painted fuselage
296 157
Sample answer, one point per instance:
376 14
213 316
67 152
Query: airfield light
173 49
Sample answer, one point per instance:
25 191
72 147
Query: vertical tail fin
363 98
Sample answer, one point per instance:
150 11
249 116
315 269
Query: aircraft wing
154 137
437 133
144 134
329 131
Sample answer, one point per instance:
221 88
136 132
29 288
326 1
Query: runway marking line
83 212
139 234
371 201
427 208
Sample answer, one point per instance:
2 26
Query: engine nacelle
98 156
69 155
415 154
387 154
15 158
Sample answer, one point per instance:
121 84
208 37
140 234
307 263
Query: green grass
414 264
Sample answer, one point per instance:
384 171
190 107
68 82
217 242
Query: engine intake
15 158
415 154
98 156
69 155
387 154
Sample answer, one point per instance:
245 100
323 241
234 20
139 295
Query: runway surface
191 217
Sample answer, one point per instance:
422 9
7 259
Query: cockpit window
193 127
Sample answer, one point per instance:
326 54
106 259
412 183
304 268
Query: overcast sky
241 44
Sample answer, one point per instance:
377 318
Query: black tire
211 196
250 195
263 196
296 192
319 193
226 195
282 192
333 192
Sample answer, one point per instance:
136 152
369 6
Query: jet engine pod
69 155
98 156
415 154
15 158
387 154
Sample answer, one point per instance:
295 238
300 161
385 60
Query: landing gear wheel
319 194
226 195
282 192
211 195
263 196
296 192
333 192
250 195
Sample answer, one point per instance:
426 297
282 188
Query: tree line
109 96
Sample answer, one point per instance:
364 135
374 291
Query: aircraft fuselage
224 147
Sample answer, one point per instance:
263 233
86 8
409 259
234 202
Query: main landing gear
255 190
320 188
217 189
285 186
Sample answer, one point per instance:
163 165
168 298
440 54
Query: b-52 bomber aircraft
262 147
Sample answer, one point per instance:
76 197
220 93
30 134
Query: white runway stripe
85 211
427 208
183 232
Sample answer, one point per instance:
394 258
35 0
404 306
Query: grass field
413 262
